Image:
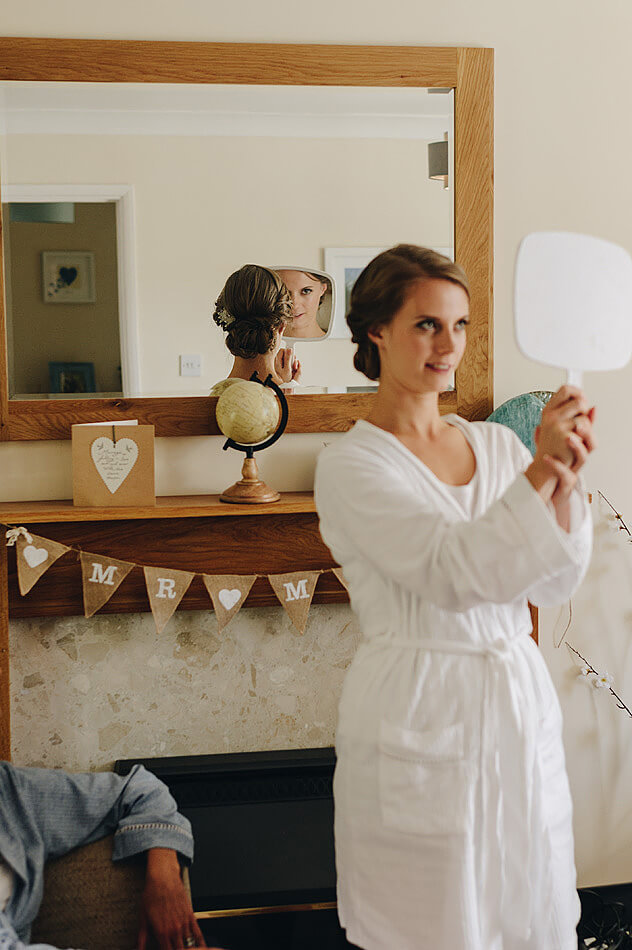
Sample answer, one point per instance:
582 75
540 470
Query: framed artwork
68 276
71 377
345 264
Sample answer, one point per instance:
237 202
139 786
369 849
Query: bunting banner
295 592
34 556
228 593
165 589
338 572
101 576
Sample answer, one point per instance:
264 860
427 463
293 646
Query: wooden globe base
249 490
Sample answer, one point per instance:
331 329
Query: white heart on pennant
228 598
114 460
34 556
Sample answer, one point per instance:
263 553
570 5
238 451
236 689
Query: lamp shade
438 161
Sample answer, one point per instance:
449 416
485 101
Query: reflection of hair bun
253 305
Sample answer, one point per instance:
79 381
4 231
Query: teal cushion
522 414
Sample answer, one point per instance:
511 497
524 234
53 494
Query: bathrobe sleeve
549 592
369 510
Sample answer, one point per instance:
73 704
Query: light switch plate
190 364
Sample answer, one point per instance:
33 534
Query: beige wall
563 82
80 332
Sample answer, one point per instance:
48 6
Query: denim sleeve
73 809
9 940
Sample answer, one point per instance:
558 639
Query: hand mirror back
573 302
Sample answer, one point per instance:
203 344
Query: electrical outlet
190 364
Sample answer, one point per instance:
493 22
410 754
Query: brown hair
253 305
381 289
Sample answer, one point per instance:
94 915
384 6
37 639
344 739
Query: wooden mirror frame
469 71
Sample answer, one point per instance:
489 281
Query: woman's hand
287 366
564 441
565 415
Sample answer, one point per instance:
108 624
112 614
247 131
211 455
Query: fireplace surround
263 829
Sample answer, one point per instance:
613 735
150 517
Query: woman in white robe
453 812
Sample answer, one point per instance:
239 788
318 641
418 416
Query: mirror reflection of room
224 175
64 336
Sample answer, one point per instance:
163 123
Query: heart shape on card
228 598
34 556
114 460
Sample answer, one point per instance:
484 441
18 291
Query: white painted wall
563 85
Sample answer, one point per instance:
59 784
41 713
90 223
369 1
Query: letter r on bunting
166 587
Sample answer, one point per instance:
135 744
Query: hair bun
253 305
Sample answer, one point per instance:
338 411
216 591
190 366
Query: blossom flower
602 681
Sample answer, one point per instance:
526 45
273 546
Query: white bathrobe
453 812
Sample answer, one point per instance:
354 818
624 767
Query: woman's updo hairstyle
381 290
253 305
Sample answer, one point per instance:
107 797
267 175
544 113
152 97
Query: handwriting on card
114 460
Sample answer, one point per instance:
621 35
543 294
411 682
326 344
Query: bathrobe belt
508 769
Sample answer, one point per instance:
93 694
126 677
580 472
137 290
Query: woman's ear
376 335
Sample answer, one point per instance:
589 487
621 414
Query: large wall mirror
135 177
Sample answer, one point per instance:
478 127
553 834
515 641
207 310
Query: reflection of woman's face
306 293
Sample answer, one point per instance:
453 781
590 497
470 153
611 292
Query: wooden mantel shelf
196 533
169 506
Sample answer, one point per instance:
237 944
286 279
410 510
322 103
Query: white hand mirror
313 295
573 302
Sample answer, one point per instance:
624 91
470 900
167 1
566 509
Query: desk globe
253 414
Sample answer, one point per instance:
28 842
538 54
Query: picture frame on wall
71 378
68 277
345 265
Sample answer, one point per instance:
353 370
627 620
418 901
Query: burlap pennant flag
228 593
34 557
295 591
100 576
165 589
338 572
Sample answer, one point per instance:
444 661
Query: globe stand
250 489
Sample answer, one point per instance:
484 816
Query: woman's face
306 294
423 344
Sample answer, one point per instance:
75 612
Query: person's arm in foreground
166 910
61 811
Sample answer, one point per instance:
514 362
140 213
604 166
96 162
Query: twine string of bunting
166 587
14 533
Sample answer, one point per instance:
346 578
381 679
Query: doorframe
123 197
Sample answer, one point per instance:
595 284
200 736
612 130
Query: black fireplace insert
263 827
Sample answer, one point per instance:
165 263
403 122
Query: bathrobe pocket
423 779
